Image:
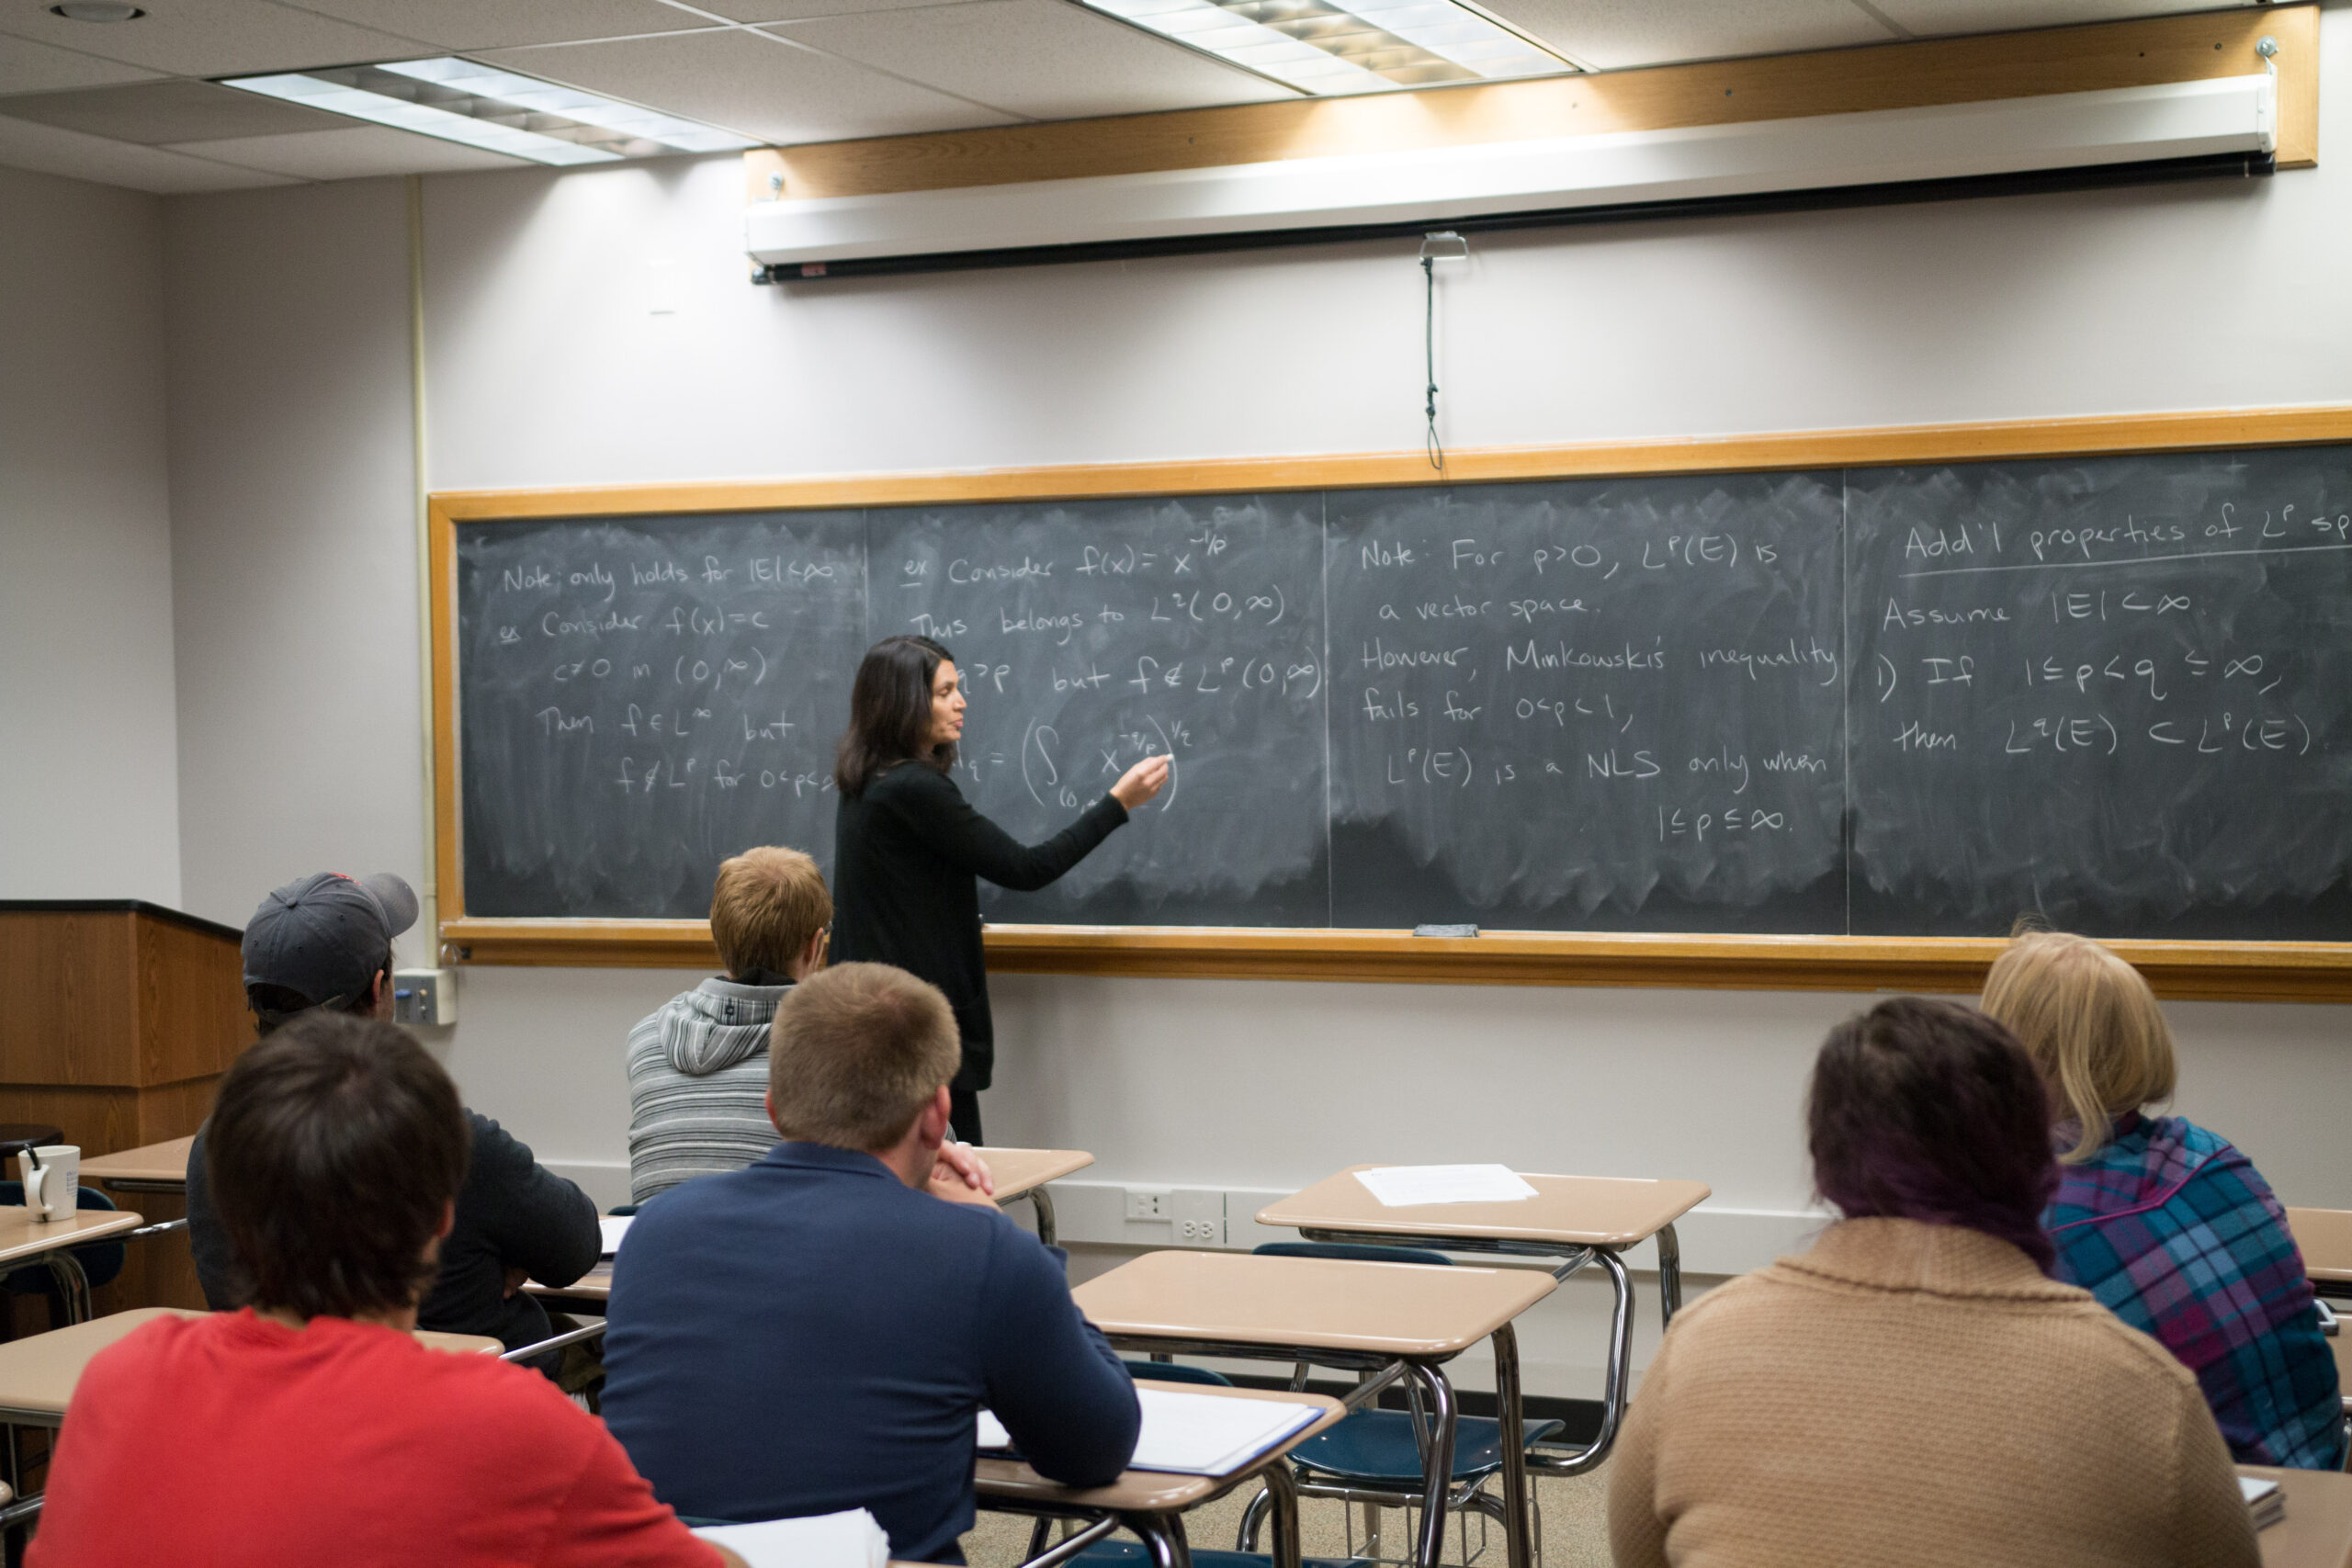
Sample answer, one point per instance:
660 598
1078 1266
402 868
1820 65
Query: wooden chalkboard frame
2239 971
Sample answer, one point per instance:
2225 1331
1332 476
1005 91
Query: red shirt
235 1441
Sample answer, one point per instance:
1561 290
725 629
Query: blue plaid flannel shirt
2177 1233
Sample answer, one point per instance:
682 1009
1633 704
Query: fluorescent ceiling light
523 116
1363 46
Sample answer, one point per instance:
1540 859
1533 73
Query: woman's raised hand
1141 781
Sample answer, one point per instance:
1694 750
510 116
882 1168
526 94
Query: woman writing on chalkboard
907 846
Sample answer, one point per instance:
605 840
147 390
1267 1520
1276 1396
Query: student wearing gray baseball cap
326 942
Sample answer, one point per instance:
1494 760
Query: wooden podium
116 1020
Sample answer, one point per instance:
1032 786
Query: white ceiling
127 104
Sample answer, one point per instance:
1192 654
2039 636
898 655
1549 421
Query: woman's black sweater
905 850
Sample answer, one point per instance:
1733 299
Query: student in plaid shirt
2170 1225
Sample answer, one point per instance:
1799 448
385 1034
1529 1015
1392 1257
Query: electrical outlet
1148 1202
424 997
1199 1230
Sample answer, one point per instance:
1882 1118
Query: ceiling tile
29 67
1612 35
750 84
210 38
796 10
356 153
1926 17
154 113
50 150
503 24
1046 59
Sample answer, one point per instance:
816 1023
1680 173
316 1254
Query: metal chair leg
1669 1277
1163 1538
1509 1408
1045 1207
1439 1471
1254 1516
1281 1491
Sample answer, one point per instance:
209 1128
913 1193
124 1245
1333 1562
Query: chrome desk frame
1546 1459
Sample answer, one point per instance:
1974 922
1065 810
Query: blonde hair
2091 1024
855 1052
768 904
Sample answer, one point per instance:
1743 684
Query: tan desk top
1019 1171
1568 1211
39 1371
22 1237
596 1285
156 1162
1387 1309
2317 1530
2324 1238
1148 1491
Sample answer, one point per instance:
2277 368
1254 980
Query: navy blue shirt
811 1334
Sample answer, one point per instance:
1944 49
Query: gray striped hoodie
698 1070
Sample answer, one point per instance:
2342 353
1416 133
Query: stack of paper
1405 1186
850 1539
613 1227
2264 1500
1193 1434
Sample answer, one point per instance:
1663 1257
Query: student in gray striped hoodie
698 1065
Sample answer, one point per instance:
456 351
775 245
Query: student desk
156 1168
1152 1503
1577 1220
25 1239
2317 1530
1018 1174
1023 1173
2324 1238
1388 1320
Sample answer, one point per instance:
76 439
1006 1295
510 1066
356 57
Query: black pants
964 1113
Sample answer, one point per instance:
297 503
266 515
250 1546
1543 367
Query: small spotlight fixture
500 111
1331 47
96 11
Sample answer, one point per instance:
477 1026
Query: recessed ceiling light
96 11
1361 45
458 100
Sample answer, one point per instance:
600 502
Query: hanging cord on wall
1446 245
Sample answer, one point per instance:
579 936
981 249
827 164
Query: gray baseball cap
325 937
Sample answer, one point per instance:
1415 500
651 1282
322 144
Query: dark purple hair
1928 1111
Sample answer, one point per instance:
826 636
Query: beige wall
89 805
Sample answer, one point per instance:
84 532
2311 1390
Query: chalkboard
2113 692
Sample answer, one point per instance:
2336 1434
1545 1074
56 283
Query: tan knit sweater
1919 1394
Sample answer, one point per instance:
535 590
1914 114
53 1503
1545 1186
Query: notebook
850 1539
1404 1186
2264 1500
1193 1434
612 1227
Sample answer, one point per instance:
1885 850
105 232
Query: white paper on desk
1194 1434
850 1539
1405 1186
612 1227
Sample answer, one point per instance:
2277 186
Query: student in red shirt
310 1427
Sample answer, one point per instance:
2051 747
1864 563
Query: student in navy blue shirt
816 1332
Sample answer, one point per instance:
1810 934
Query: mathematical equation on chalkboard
2111 692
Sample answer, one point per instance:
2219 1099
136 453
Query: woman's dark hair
889 712
335 1148
1928 1111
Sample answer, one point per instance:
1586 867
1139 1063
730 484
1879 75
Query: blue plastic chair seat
100 1261
1176 1371
1375 1447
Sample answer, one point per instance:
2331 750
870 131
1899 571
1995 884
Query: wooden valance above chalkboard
1822 710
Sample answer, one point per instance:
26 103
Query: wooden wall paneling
2238 971
1887 76
193 1021
68 1010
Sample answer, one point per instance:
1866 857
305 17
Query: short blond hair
2091 1024
855 1052
768 904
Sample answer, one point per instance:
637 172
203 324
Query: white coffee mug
52 1179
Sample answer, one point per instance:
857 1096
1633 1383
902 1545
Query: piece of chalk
1445 930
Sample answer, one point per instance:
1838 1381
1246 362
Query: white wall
298 656
89 803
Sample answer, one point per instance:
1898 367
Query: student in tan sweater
1915 1388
